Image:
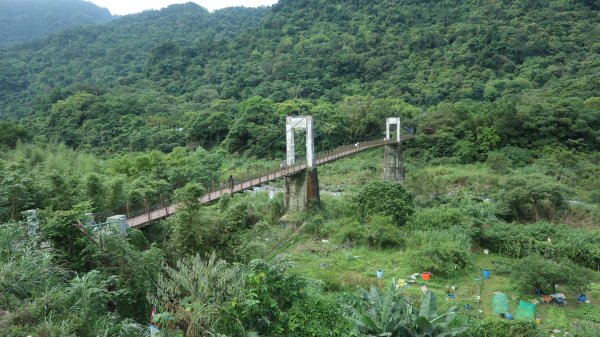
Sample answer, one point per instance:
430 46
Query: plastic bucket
379 273
486 274
426 276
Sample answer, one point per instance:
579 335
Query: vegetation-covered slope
505 96
525 72
24 20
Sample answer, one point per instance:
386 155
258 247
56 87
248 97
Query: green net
525 311
500 303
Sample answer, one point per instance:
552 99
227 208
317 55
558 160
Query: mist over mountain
23 20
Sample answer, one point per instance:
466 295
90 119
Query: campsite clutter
480 292
521 309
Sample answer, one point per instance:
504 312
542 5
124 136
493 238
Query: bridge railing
245 181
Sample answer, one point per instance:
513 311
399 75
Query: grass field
343 267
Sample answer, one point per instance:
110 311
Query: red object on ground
426 276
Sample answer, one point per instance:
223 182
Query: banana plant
390 315
383 314
427 323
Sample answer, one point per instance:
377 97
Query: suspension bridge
301 182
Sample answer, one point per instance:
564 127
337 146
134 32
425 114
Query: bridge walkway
163 210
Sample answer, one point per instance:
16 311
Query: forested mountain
502 176
521 73
23 20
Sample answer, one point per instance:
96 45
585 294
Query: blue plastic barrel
379 273
486 274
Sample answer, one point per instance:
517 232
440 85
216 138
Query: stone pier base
393 163
301 191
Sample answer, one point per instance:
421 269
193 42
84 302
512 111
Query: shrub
438 218
189 194
498 162
275 208
585 329
595 196
444 258
479 212
351 231
580 246
316 316
389 314
418 239
195 293
517 155
314 225
269 293
556 318
381 233
502 265
587 312
501 328
137 239
238 216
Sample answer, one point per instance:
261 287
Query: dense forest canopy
523 72
24 20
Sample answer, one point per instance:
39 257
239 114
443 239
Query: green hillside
24 20
502 176
527 70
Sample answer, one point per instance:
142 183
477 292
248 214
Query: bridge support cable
157 213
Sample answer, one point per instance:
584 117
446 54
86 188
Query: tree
18 192
189 195
70 245
256 128
536 272
11 133
386 198
270 292
191 226
95 191
531 197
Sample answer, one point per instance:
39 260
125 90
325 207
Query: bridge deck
162 211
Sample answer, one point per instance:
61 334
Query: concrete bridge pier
393 159
301 190
393 163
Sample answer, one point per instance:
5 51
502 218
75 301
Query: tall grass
417 239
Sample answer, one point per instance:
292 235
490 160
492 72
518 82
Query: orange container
426 276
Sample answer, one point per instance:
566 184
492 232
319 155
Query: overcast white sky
122 7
